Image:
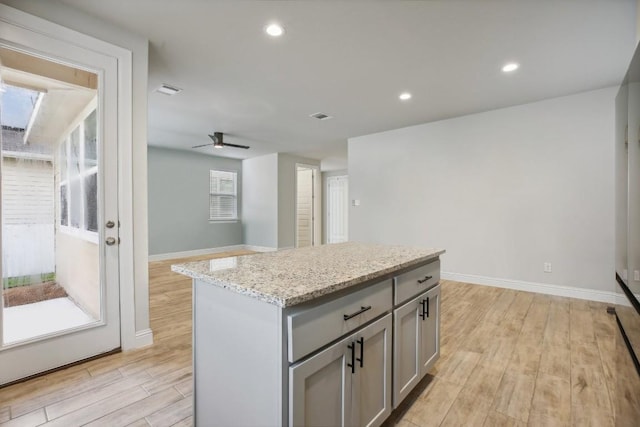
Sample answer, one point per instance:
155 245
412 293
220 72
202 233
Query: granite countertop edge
284 302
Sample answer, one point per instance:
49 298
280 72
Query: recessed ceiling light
274 30
168 89
405 96
510 67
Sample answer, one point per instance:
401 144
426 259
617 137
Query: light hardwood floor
508 358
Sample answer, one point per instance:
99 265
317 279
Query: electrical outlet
547 267
636 275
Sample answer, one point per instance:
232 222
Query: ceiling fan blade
203 145
226 144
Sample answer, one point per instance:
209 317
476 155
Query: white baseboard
541 288
197 252
142 338
259 248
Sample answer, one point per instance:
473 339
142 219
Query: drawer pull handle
361 359
362 310
427 306
422 312
352 365
425 279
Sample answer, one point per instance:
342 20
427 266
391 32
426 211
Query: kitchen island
304 336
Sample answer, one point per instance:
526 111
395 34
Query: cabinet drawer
313 327
415 281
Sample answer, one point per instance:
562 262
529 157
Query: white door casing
38 37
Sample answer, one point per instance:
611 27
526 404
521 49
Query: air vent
168 89
321 116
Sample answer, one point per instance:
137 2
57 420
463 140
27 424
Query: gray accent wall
502 191
179 202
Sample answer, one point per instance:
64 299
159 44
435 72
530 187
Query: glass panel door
50 256
58 170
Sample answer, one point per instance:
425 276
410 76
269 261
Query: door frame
317 205
11 18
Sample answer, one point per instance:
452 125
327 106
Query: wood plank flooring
512 358
508 358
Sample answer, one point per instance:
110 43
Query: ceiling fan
218 143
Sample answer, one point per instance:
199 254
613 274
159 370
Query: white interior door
59 176
337 209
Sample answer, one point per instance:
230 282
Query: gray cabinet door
325 391
320 388
416 342
430 334
373 379
407 333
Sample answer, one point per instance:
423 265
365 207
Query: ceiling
51 121
351 60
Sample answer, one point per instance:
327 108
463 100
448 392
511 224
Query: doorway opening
307 206
50 257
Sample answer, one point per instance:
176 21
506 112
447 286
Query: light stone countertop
293 276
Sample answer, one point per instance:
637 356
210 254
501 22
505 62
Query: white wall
27 217
269 199
260 201
69 17
287 197
502 191
633 196
637 21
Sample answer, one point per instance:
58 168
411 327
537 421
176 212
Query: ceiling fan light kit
218 142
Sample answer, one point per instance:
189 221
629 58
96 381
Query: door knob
110 241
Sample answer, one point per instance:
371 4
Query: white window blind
223 200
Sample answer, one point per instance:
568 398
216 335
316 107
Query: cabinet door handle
427 306
422 310
425 279
361 359
352 365
362 310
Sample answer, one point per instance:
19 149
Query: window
223 200
78 184
19 104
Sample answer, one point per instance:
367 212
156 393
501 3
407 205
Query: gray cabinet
324 362
416 348
416 281
312 327
347 384
430 337
373 379
321 388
